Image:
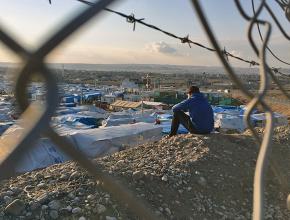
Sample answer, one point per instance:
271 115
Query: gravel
183 177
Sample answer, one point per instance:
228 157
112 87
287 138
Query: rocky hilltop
183 177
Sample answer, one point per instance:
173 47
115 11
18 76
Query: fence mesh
36 120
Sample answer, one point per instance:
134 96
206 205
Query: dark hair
193 89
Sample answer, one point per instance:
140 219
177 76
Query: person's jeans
179 117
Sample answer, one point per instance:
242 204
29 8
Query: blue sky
110 39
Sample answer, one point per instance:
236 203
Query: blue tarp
77 98
165 120
90 121
68 104
231 109
66 111
71 98
242 112
68 99
92 96
166 128
77 121
119 94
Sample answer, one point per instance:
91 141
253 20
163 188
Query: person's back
201 113
201 119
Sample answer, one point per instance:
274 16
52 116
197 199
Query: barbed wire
261 37
35 119
265 70
36 122
132 19
281 3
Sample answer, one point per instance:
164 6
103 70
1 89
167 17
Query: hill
184 177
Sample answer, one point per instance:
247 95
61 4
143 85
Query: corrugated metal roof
126 104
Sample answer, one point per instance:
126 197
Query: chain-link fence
36 119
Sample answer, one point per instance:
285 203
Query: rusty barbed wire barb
224 51
36 119
265 144
131 19
185 40
182 39
274 78
275 70
254 63
261 37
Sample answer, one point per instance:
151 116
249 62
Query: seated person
200 119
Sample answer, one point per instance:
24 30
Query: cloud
161 47
236 53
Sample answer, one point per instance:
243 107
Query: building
109 98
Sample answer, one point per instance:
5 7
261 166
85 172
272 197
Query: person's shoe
169 136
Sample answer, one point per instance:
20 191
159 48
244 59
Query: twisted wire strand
281 3
283 31
12 44
40 123
186 39
272 70
273 163
263 76
262 160
261 37
258 194
265 145
132 19
35 120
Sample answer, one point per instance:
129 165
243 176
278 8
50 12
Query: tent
93 143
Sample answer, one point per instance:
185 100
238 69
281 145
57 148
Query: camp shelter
154 105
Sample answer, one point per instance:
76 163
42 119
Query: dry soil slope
184 177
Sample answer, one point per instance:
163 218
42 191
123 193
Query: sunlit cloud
236 53
161 47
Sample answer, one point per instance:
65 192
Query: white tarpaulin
103 141
93 142
279 119
237 122
231 122
4 126
120 119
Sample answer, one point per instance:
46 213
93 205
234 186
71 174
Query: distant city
145 68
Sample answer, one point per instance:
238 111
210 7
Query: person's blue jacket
200 112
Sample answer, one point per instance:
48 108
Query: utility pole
147 81
142 110
82 94
63 72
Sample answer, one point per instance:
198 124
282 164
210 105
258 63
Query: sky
109 39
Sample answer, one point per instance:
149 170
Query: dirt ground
184 177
